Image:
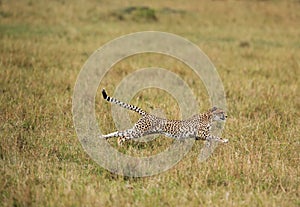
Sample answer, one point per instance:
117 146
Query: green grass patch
24 30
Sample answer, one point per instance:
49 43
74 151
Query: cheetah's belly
179 129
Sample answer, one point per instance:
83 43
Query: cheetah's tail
124 105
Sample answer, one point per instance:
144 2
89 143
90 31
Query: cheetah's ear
213 109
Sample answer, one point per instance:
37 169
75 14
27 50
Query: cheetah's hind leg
110 135
121 140
122 136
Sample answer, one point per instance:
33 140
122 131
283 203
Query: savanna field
255 47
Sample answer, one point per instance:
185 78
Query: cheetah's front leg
217 139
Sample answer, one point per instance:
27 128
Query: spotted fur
197 127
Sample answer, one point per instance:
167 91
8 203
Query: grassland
255 47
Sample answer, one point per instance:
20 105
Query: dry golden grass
254 45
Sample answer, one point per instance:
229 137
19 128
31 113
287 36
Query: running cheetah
198 126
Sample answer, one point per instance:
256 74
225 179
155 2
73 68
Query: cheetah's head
218 114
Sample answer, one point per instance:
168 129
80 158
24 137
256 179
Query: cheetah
197 127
